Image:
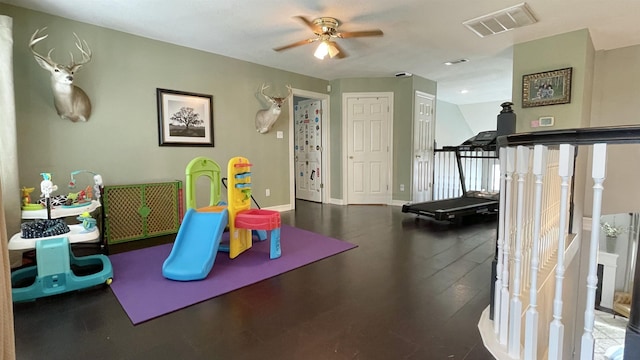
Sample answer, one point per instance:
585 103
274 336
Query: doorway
367 144
308 146
423 140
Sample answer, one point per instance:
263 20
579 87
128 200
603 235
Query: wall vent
500 21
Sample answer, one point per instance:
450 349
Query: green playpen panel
140 211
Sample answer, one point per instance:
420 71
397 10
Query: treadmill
471 203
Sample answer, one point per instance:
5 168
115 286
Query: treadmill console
484 140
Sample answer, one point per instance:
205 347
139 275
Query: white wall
451 127
481 116
457 123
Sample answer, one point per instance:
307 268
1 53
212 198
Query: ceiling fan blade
295 44
315 28
352 34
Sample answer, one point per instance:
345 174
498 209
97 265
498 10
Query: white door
423 136
308 149
368 138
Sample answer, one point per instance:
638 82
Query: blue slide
196 245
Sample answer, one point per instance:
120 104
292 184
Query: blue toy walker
57 270
53 273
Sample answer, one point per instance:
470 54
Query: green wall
615 102
403 89
120 141
573 49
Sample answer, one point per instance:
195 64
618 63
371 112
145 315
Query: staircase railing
542 306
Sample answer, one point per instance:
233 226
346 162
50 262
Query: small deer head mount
71 102
267 117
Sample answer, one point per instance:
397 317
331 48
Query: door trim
324 161
345 130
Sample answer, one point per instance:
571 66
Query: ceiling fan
326 29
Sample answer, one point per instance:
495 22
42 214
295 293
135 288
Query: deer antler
33 41
262 89
73 66
86 54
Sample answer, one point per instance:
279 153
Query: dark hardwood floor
413 289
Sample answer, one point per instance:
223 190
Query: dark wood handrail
582 136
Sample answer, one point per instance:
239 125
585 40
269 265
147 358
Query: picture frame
546 88
184 118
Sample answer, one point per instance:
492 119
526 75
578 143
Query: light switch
279 135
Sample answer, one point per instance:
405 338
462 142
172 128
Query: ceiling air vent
501 21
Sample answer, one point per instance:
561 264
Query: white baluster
531 324
504 294
549 211
528 241
498 286
598 174
516 304
556 329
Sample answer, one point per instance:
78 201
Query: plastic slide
196 245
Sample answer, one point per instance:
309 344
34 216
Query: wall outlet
401 187
267 192
279 135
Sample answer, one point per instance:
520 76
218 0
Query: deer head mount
71 102
267 117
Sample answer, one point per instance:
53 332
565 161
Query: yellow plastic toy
239 175
242 219
26 200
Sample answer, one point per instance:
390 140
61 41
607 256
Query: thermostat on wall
545 121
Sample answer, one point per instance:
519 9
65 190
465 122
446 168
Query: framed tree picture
546 88
184 119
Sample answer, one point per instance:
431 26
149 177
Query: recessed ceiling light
454 62
464 91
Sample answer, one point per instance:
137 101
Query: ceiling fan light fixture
332 48
322 50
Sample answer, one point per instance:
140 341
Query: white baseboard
280 208
398 202
393 202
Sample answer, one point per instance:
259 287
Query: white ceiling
419 35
